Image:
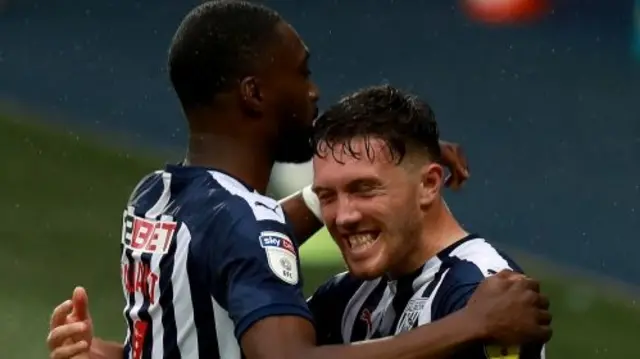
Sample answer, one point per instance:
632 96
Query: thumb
80 301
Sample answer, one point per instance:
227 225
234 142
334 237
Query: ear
252 94
431 181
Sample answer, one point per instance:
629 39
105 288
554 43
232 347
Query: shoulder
465 267
328 305
475 259
227 205
242 204
342 285
226 217
150 186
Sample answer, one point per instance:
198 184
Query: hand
71 328
510 310
453 158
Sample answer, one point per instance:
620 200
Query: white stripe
263 207
482 254
429 270
182 305
227 343
155 310
159 207
125 260
384 314
350 314
352 309
425 315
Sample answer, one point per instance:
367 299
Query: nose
314 92
347 216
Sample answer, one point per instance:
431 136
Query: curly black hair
384 112
218 43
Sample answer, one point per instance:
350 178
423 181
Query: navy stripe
167 264
143 313
403 295
170 336
131 300
361 326
146 193
203 316
143 198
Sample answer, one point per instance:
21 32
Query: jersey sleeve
456 288
327 305
253 270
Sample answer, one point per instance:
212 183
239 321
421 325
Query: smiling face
371 206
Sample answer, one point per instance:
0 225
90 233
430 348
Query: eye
366 190
325 197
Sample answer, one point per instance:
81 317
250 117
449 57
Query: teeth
361 240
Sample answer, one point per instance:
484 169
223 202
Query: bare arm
305 224
294 338
102 349
506 308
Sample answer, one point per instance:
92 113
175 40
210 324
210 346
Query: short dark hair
401 120
216 44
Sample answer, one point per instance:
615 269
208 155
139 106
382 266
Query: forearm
437 340
102 349
305 224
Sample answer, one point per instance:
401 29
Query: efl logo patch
410 314
498 352
281 255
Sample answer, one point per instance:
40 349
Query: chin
365 274
366 271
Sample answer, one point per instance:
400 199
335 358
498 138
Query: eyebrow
317 189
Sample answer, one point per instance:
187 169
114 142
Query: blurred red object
505 11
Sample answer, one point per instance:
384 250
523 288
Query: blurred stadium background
547 113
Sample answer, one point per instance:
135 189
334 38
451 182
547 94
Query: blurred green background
62 199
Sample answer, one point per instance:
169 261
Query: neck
245 160
438 231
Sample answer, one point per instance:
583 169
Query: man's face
370 206
292 96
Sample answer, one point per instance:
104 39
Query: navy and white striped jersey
349 310
203 258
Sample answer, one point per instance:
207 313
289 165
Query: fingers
544 318
455 160
507 274
58 335
463 165
70 350
60 313
543 302
519 280
526 283
80 302
544 334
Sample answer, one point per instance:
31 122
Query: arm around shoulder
291 337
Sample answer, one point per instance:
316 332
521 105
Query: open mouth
361 242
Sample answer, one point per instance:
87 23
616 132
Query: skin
280 99
395 208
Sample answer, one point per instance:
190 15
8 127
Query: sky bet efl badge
281 255
498 352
